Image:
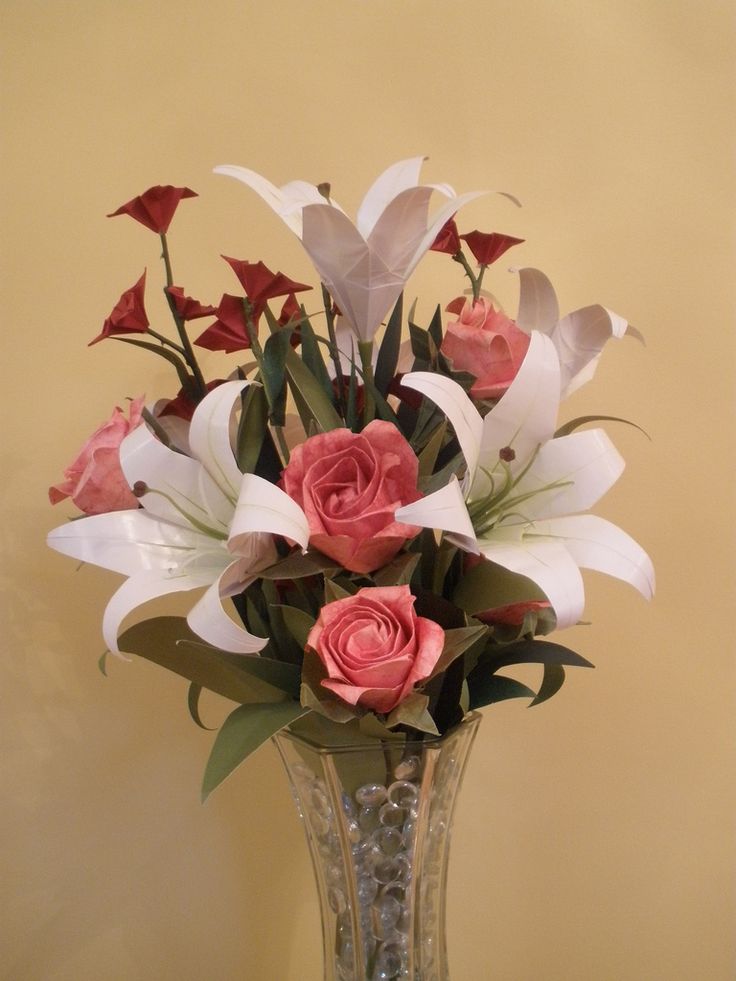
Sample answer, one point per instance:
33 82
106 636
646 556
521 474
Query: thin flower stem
334 351
166 340
187 349
283 446
474 280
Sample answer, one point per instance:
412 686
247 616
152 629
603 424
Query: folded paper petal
208 620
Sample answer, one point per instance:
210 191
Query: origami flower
365 264
128 315
448 239
94 480
186 307
489 246
374 646
202 524
522 497
349 485
485 343
578 337
155 207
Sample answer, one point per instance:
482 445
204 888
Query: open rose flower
374 647
485 343
349 486
95 480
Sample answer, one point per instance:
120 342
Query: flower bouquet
379 516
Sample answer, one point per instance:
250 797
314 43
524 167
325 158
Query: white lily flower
202 524
521 500
365 264
579 337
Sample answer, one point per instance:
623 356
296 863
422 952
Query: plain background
594 839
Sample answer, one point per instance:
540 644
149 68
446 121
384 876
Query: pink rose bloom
485 343
374 646
94 481
349 485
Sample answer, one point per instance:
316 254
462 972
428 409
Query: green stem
166 340
474 280
187 349
283 446
366 362
334 351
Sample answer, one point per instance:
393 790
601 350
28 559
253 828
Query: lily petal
208 620
538 306
579 338
286 201
549 565
595 543
139 589
130 541
587 462
460 411
209 437
397 178
443 510
264 507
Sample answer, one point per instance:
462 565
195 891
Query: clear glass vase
377 818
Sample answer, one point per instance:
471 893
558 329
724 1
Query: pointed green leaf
273 374
574 424
298 623
333 591
457 641
243 731
187 382
486 688
251 429
195 691
315 696
388 353
435 328
413 712
487 586
299 566
312 401
169 642
552 681
428 456
399 571
532 651
102 663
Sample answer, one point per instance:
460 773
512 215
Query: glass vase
377 819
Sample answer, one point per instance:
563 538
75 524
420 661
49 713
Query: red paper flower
447 239
229 333
155 207
262 285
182 406
489 246
128 315
186 307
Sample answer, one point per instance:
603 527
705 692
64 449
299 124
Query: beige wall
594 840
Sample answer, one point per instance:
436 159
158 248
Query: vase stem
377 818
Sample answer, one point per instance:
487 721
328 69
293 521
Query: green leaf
243 731
312 356
457 641
428 456
251 429
315 696
435 327
399 571
388 353
333 591
273 374
552 681
532 651
312 401
485 688
187 382
102 663
487 586
298 623
298 566
169 642
195 691
574 424
413 711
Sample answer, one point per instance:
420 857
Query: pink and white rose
94 480
487 344
374 646
349 485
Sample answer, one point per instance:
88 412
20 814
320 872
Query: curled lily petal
209 436
286 201
264 507
596 544
208 620
395 179
444 510
538 306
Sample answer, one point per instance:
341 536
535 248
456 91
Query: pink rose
94 481
349 485
485 343
374 646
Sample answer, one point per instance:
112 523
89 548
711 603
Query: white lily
521 500
202 524
579 337
365 264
